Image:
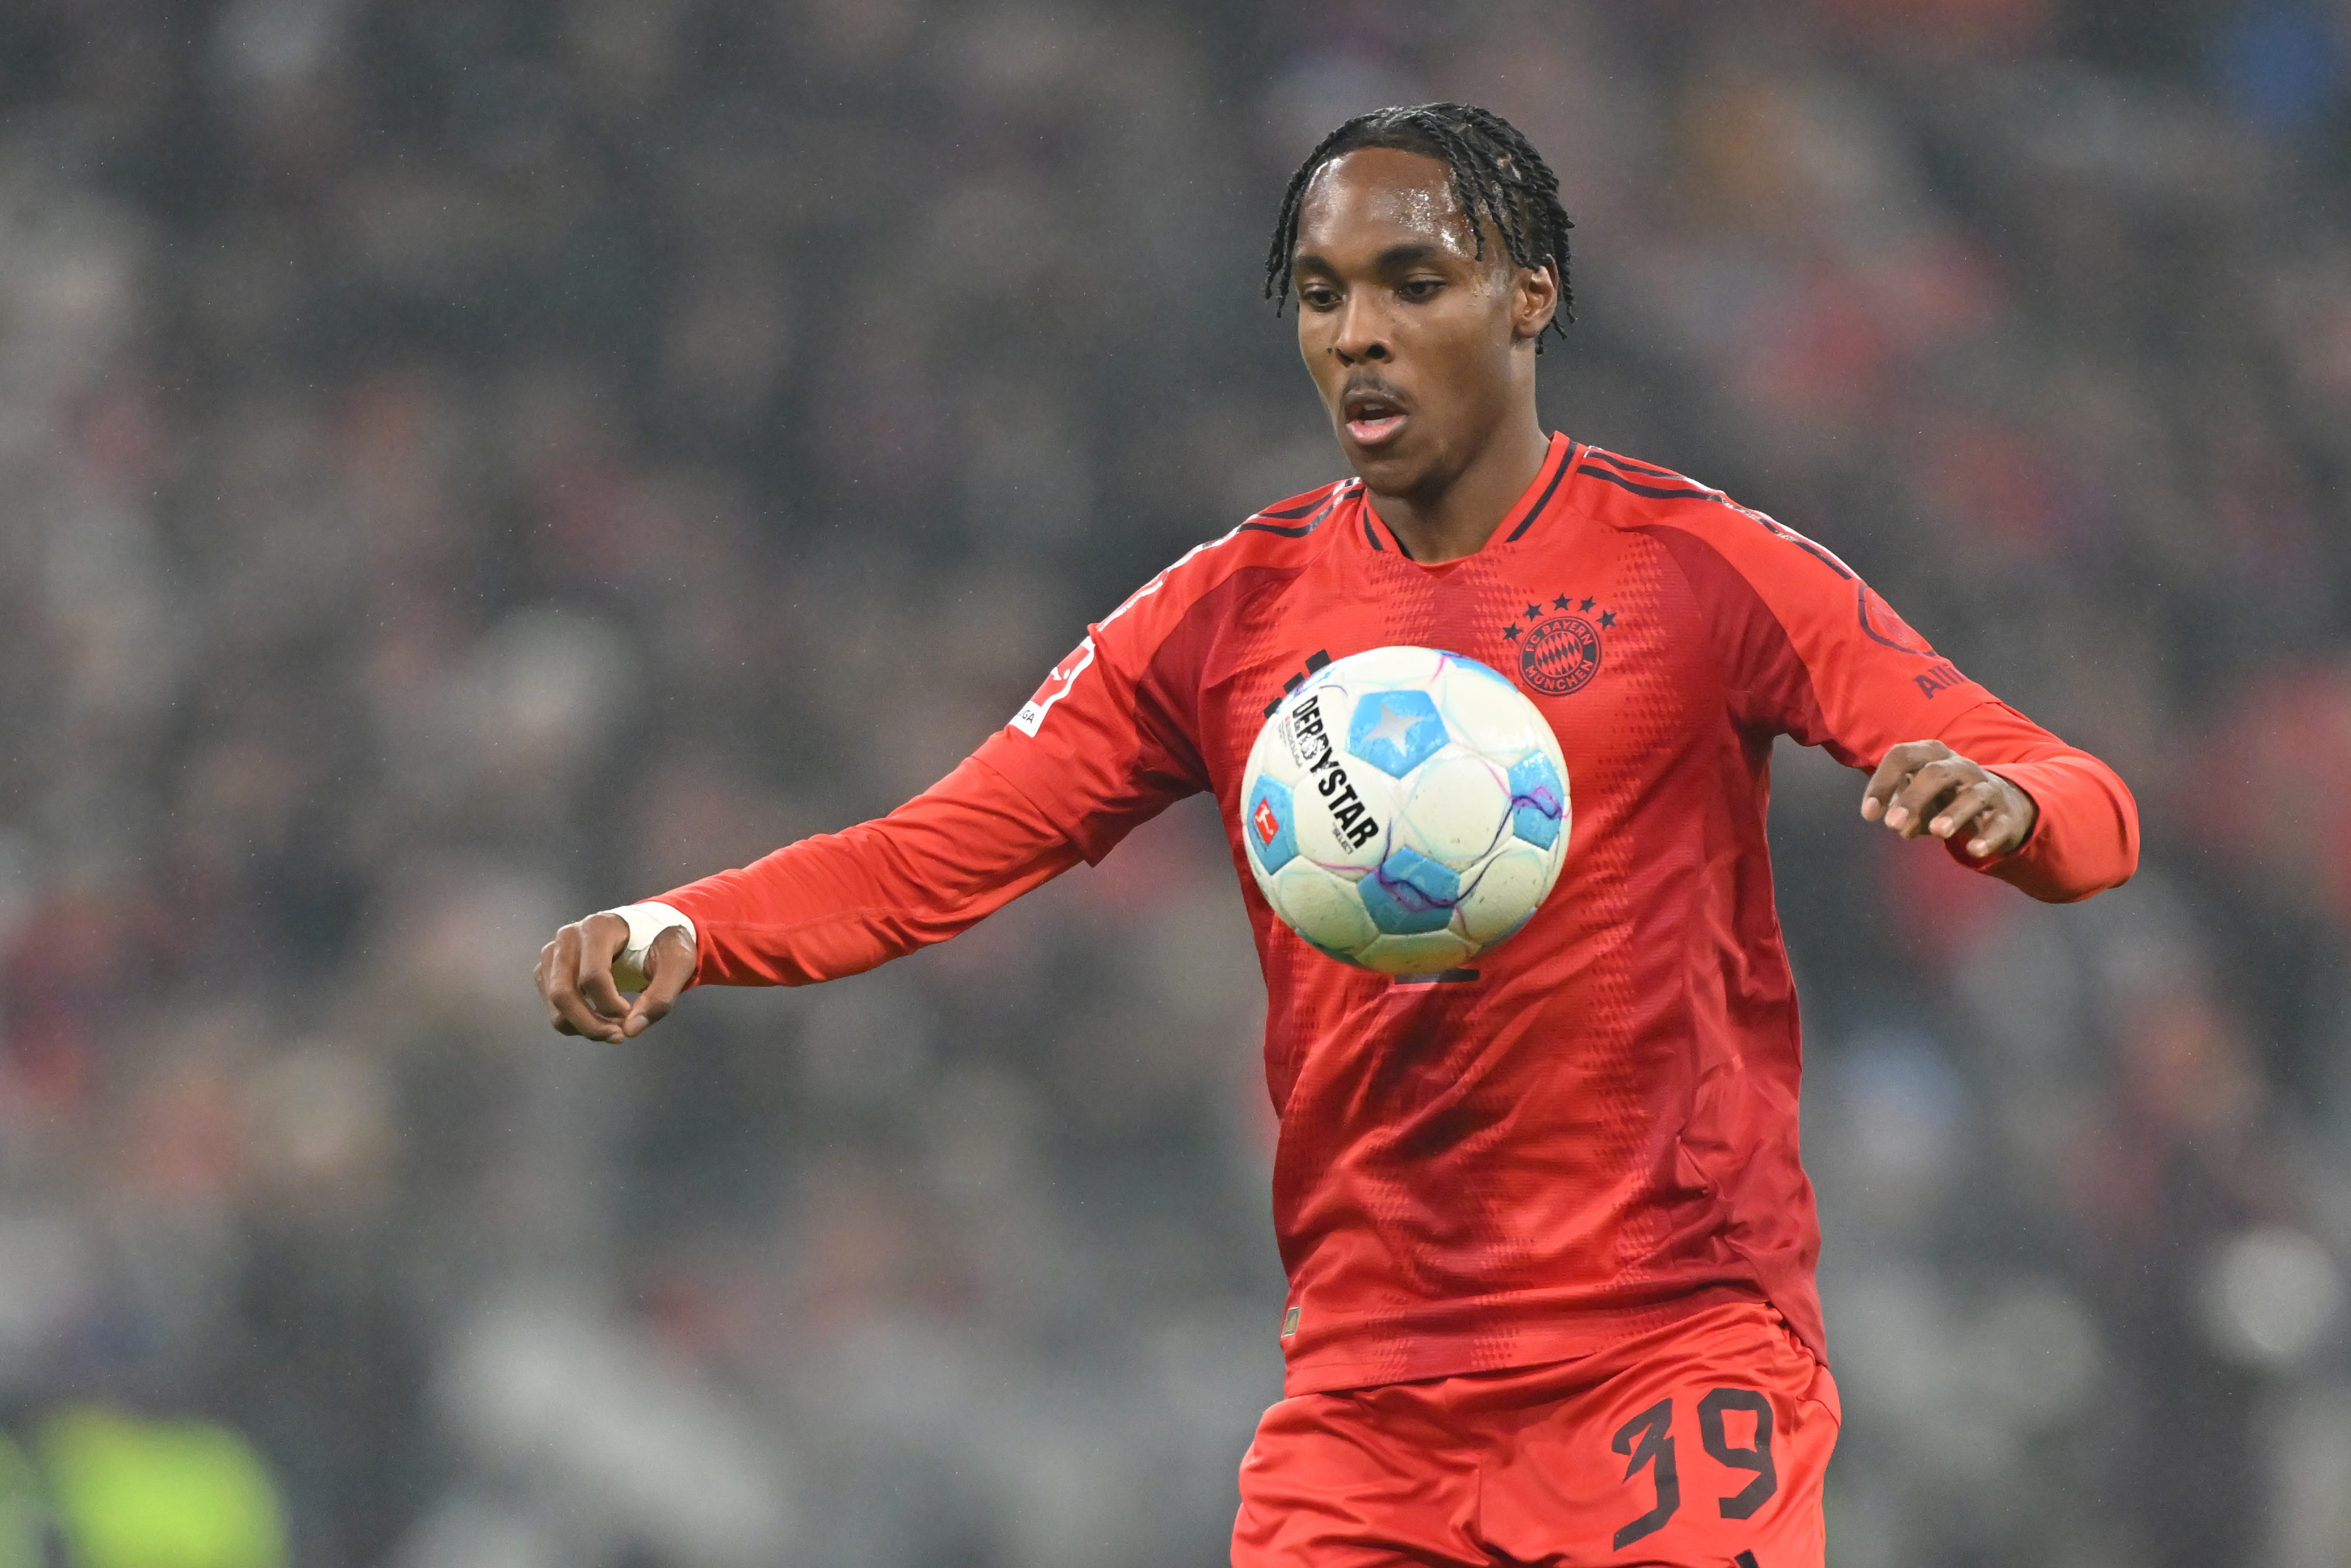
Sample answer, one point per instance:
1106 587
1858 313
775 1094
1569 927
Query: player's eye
1317 296
1420 288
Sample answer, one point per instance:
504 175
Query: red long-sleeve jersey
1598 1132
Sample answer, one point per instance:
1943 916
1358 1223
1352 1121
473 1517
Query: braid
1497 175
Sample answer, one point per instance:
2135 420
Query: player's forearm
841 904
2085 832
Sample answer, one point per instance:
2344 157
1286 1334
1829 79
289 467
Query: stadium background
468 465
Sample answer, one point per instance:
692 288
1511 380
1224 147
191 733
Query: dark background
465 464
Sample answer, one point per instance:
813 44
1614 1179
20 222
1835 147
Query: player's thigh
1355 1480
1708 1449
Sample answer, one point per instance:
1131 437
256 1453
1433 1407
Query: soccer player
1549 1247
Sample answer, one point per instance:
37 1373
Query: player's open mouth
1371 419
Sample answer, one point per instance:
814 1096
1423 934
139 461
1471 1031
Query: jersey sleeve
1101 748
1807 649
1110 740
841 904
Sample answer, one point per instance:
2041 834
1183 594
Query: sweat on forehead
1387 186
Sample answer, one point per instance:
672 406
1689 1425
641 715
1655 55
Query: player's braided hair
1497 174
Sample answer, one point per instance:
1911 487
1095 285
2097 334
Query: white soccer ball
1405 808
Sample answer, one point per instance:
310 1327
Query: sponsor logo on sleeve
1940 676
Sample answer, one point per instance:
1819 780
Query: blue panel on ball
1537 797
1395 732
1410 893
1534 826
1270 829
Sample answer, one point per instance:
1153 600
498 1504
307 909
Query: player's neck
1454 516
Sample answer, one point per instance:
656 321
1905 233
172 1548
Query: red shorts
1699 1445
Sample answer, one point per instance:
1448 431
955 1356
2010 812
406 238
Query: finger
538 979
1900 763
602 939
598 988
1932 793
1930 788
668 967
1996 832
1969 803
564 989
2007 828
582 1019
543 977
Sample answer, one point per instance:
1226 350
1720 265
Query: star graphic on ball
1393 726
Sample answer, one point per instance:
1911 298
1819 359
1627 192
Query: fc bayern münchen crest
1559 646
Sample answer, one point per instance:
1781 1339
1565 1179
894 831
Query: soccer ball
1405 808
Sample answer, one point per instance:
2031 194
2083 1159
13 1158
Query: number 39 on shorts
1734 1425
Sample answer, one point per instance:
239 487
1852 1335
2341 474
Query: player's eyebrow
1395 259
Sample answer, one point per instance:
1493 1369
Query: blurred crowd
470 465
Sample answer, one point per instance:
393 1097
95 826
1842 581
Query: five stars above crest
1561 604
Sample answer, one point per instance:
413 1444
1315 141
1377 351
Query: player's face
1421 348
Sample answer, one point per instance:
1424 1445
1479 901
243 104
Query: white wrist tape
646 922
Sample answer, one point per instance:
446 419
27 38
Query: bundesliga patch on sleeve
1057 686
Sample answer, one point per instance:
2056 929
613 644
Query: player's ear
1534 301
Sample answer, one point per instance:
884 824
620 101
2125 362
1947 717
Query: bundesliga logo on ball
1405 808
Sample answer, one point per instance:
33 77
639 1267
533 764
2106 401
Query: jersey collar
1524 513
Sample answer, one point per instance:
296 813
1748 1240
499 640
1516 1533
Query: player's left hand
1923 785
576 981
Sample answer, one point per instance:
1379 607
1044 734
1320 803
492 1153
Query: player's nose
1358 338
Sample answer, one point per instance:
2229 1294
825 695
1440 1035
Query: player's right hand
575 979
